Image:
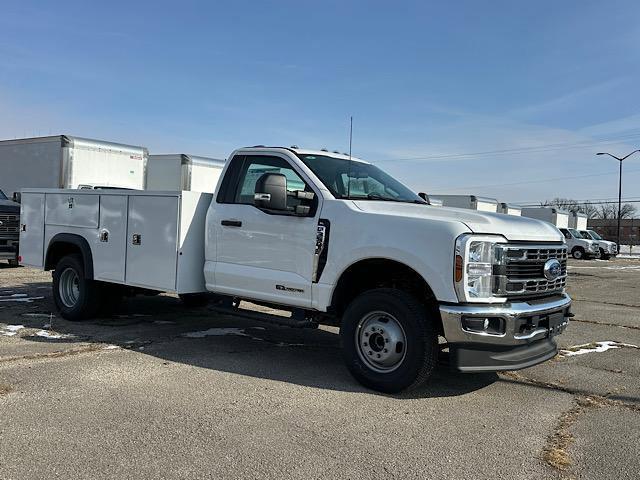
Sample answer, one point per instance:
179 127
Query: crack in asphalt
607 324
630 305
555 453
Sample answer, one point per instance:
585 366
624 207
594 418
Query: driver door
263 255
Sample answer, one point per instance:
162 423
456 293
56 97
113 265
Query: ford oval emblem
552 269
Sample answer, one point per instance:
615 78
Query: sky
506 99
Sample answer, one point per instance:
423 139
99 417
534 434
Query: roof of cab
305 151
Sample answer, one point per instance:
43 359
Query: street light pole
620 160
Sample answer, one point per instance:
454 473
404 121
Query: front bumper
527 339
8 249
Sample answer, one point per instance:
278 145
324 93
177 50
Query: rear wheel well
66 244
382 273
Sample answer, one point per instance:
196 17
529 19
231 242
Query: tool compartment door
110 247
152 242
31 247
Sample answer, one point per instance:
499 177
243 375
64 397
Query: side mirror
17 197
425 197
271 192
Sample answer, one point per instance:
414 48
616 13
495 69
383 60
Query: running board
297 319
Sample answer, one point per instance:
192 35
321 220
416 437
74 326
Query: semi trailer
509 209
471 202
63 161
578 221
177 172
330 239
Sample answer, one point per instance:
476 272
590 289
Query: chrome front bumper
527 338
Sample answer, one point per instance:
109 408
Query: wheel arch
379 272
64 244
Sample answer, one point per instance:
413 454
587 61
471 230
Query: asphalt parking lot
159 391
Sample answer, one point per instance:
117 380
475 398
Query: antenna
350 143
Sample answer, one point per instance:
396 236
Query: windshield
575 233
357 181
594 235
3 196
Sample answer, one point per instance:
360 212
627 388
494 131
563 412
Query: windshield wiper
375 196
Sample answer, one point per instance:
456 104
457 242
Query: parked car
9 229
579 246
607 248
331 239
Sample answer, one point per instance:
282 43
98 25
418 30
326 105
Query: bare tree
610 211
588 208
592 210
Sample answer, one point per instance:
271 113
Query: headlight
475 256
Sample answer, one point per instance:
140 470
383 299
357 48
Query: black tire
14 263
578 253
88 299
421 349
604 255
193 300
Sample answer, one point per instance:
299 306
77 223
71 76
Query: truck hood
512 227
7 206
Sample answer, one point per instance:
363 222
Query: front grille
10 223
520 270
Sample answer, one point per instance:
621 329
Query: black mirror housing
271 192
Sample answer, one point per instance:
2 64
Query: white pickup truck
332 240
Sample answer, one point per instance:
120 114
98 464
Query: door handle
231 223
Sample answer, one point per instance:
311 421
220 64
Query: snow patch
19 297
10 330
595 347
50 334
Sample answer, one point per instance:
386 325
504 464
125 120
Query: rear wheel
14 263
388 342
76 297
577 253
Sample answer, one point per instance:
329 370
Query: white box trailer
471 202
63 161
553 215
183 172
508 209
578 221
153 240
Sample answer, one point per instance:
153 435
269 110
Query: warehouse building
608 229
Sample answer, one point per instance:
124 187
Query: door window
256 166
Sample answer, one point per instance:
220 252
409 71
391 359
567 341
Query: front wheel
76 297
577 253
14 263
388 342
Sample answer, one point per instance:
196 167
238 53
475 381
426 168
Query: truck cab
334 240
9 229
579 246
607 248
